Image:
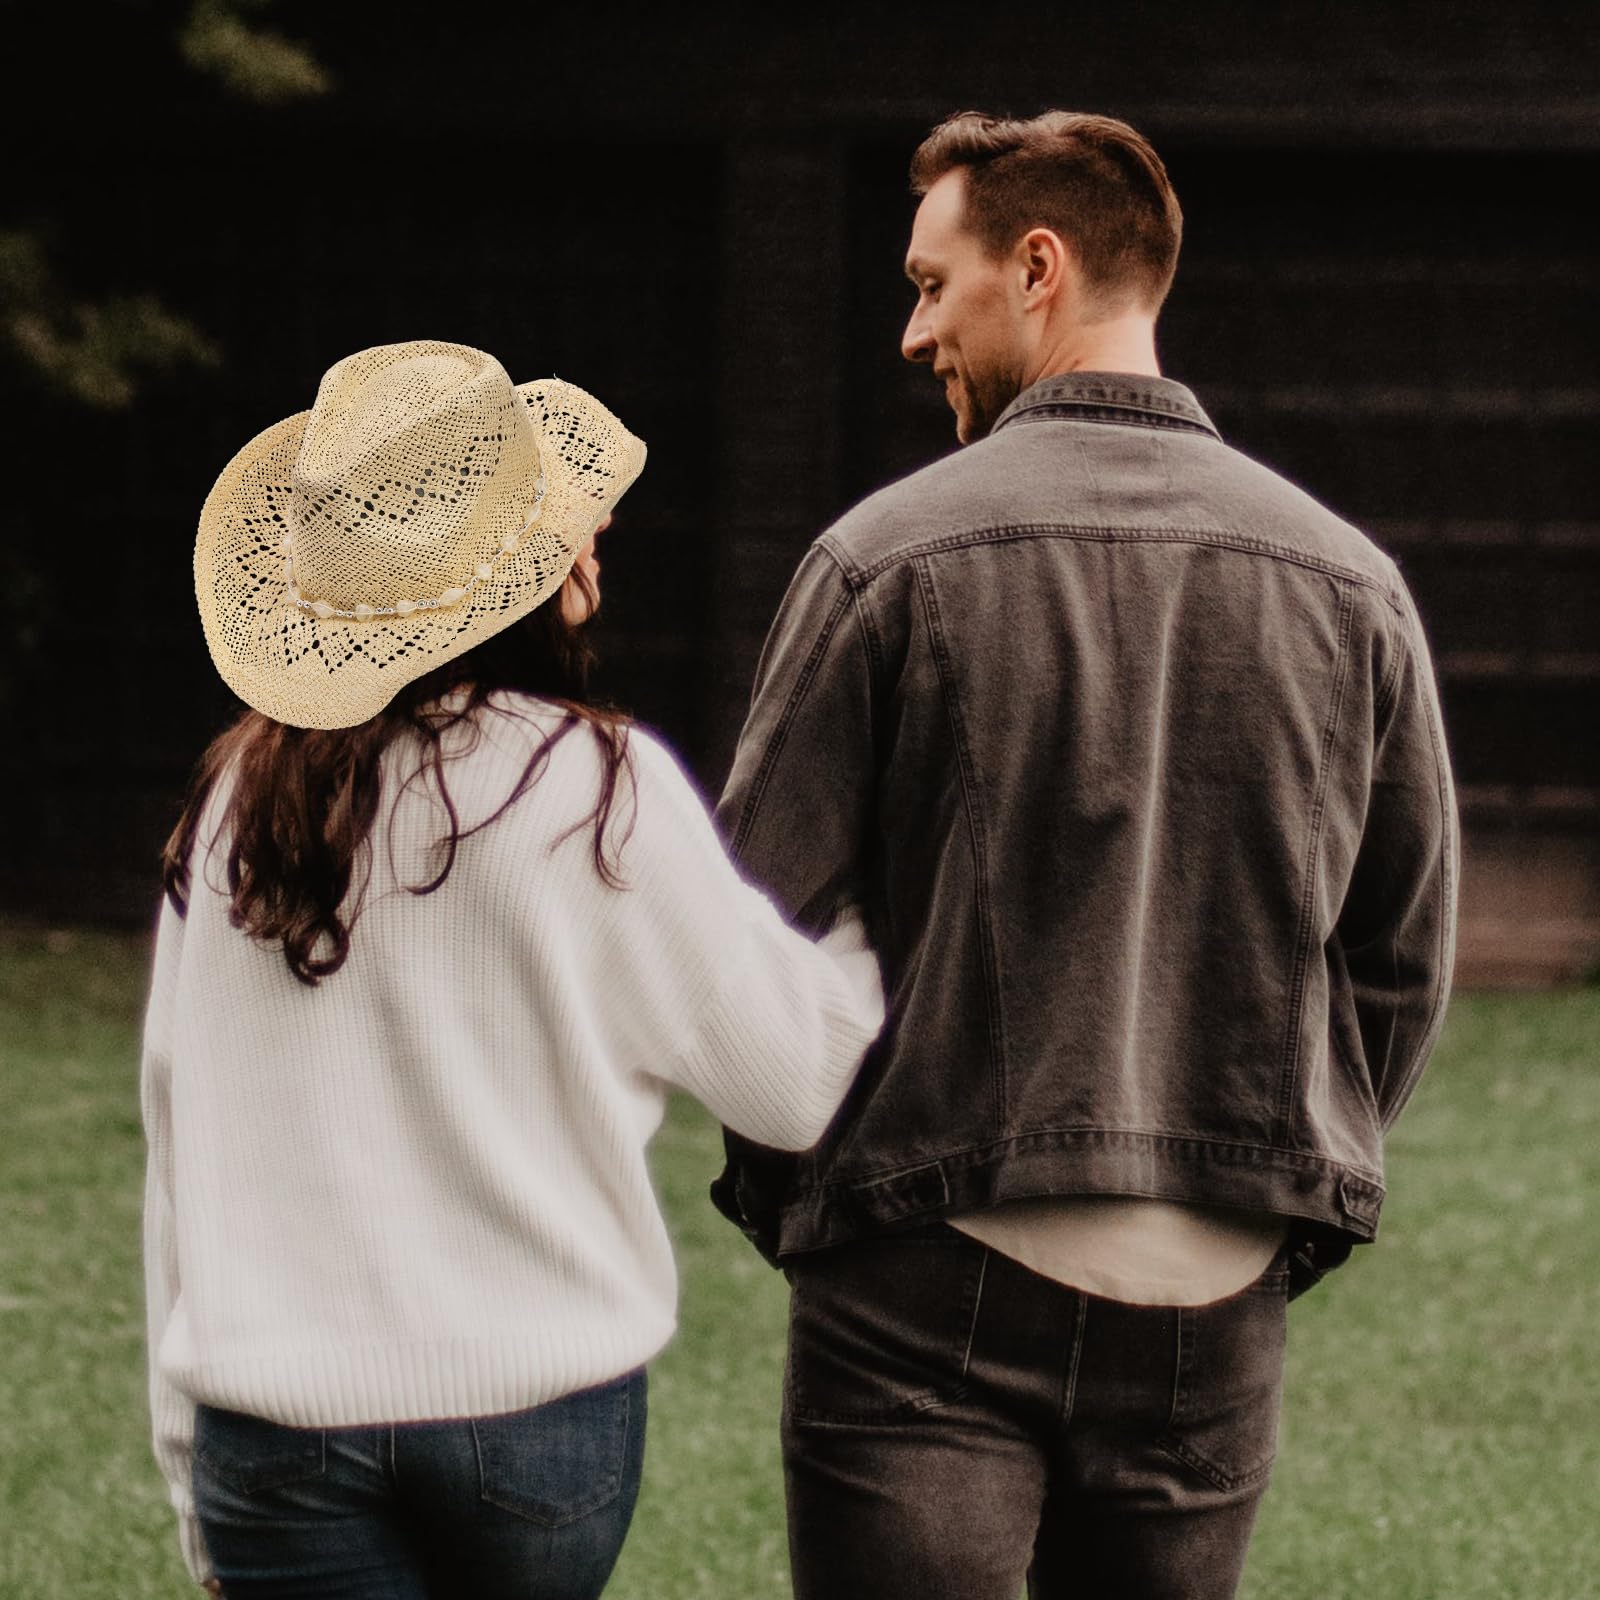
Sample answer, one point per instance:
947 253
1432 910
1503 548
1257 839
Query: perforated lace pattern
410 483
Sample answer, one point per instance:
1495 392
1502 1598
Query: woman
439 936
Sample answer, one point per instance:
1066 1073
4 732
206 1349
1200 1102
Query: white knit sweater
419 1190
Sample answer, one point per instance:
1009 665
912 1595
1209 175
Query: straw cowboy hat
421 505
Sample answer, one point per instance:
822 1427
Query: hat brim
337 672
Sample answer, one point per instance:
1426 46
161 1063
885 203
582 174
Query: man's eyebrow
915 268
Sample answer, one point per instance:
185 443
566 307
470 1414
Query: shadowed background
1386 293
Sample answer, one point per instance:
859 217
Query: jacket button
1351 1200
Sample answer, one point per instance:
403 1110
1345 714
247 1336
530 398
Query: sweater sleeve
171 1412
764 1027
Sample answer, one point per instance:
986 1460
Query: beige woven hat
421 505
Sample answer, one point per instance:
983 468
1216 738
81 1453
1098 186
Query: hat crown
415 457
422 505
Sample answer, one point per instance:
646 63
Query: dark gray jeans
956 1425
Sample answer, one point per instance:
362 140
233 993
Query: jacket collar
1124 397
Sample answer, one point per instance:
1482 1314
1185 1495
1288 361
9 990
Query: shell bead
483 572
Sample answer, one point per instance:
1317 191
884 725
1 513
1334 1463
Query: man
1131 752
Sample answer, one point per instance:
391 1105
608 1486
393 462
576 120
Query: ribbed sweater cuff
195 1555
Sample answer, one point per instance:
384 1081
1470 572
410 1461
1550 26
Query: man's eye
931 289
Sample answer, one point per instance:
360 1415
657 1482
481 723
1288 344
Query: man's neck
1118 344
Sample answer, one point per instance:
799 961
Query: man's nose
916 343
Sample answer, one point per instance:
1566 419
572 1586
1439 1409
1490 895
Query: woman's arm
171 1412
766 1028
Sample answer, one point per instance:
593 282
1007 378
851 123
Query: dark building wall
121 696
1384 294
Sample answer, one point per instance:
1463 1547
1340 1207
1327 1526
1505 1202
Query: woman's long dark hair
304 801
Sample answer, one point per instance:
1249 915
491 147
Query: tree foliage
90 350
252 62
96 350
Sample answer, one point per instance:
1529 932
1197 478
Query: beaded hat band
420 506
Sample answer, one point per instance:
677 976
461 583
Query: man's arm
797 811
797 808
1398 924
1397 927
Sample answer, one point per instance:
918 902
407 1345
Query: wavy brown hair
303 802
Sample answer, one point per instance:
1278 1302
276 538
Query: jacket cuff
749 1192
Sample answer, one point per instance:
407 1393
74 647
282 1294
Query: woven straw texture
421 484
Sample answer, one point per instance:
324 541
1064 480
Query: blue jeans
533 1504
956 1425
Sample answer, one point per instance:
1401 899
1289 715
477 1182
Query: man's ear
1044 259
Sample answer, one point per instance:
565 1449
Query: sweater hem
365 1385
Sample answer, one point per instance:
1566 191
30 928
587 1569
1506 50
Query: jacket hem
1313 1190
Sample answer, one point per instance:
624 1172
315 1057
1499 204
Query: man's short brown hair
1093 180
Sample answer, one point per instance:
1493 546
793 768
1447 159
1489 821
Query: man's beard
982 409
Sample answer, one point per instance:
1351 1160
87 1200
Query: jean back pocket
880 1329
565 1459
1229 1383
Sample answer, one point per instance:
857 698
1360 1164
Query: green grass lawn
1442 1428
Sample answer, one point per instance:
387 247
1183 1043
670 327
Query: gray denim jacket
1131 753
